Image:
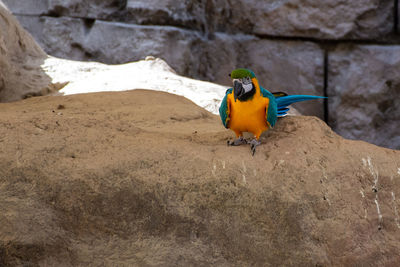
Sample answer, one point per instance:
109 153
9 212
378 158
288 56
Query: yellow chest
249 116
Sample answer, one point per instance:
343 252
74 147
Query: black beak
237 89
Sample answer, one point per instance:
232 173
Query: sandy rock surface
20 60
145 178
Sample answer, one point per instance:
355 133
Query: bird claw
240 141
237 142
253 149
253 144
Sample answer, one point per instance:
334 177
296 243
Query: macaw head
243 87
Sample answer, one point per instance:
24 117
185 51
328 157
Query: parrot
248 107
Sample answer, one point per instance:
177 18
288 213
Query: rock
364 92
83 40
332 20
171 44
159 186
27 7
55 35
186 51
214 59
20 58
398 22
95 9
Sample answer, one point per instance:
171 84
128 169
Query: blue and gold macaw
247 107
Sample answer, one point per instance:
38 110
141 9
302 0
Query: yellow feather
250 115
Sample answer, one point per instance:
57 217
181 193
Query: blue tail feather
284 101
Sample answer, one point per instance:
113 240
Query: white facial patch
247 87
246 83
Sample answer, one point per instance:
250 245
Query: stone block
332 19
27 7
114 43
364 91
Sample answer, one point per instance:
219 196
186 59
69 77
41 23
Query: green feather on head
242 73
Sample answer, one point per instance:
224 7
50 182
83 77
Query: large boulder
145 178
20 60
364 92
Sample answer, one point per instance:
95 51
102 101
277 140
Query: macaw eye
246 80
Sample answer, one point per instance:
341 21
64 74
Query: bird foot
237 142
253 144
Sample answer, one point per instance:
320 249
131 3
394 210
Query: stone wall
347 50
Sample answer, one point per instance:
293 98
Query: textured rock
333 19
215 58
398 21
27 7
97 9
171 44
364 90
145 178
20 59
112 43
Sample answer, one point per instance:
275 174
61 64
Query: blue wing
272 111
224 109
284 101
